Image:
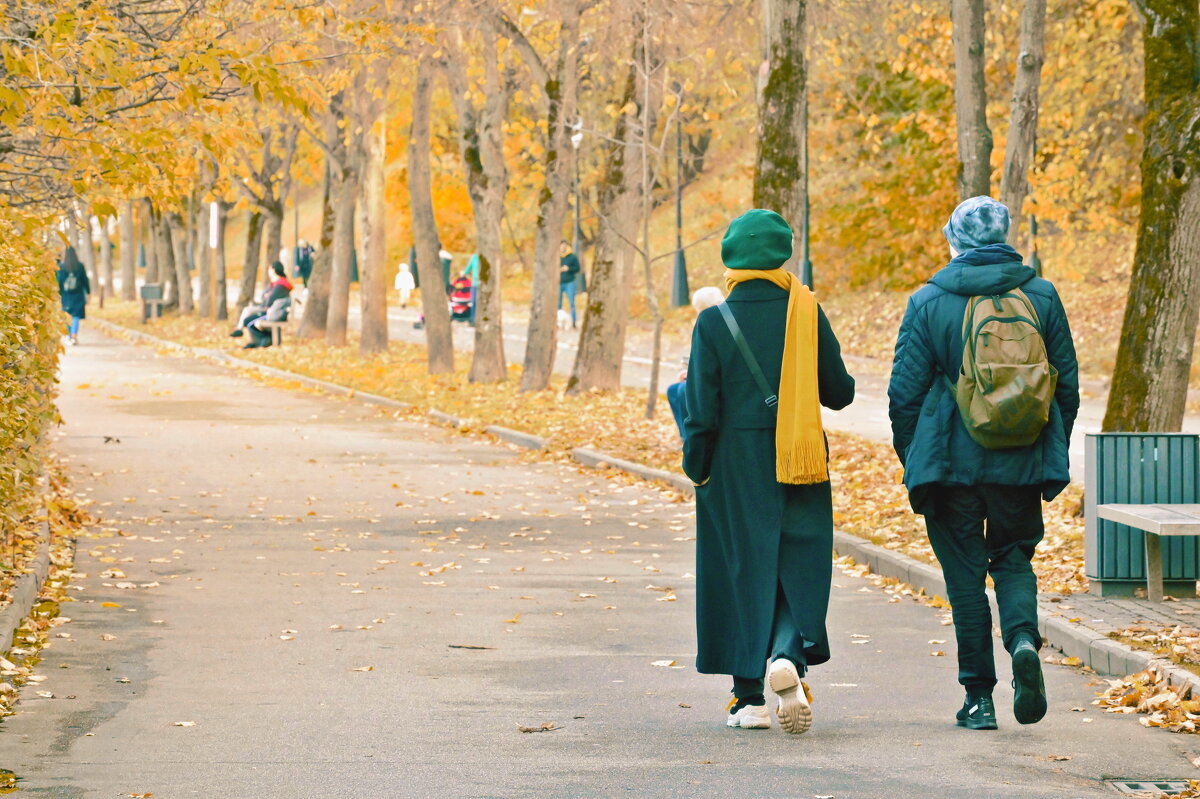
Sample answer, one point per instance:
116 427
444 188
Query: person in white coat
405 284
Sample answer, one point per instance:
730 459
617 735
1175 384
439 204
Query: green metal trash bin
1138 468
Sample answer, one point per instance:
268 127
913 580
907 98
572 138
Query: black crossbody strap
769 396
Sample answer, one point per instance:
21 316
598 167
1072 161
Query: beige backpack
1006 383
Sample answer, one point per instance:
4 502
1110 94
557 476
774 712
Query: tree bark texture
561 89
779 183
183 278
166 261
601 352
970 99
373 280
106 261
481 144
337 316
254 237
150 241
128 247
438 341
316 302
1150 382
203 259
85 245
221 305
1022 129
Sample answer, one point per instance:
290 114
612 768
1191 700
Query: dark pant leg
1014 528
804 574
747 687
956 534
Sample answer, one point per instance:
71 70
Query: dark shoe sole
1029 701
977 725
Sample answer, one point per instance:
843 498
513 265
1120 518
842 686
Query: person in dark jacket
764 518
982 507
567 272
273 306
73 291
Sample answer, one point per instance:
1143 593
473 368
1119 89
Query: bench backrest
1138 468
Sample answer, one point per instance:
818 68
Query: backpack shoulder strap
769 396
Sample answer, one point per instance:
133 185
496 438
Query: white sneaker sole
750 718
795 714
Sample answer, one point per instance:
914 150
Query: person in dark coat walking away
982 504
568 270
73 290
764 516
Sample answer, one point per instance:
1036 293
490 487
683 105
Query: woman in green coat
764 514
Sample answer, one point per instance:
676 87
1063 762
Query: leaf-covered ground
869 500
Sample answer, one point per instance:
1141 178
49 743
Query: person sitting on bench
268 307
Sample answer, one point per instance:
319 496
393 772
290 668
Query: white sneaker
795 712
750 717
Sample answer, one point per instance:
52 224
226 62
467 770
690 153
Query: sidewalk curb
1094 649
526 440
25 592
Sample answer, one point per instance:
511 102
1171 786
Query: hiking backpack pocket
1006 383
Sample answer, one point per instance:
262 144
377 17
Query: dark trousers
976 531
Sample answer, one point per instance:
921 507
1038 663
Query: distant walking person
73 290
304 261
983 395
405 284
568 268
762 364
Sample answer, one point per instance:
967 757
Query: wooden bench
277 327
1154 521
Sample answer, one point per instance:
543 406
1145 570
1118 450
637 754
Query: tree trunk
254 237
203 259
273 214
85 246
1150 383
338 314
183 277
150 241
222 291
316 302
438 341
779 183
374 284
561 92
970 99
166 261
601 352
106 261
481 145
1022 130
128 256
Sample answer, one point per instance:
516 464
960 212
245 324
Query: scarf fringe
805 464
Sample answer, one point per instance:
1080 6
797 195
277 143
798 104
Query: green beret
757 239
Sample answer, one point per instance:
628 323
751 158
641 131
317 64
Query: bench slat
1157 519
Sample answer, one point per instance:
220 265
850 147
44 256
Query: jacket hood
986 270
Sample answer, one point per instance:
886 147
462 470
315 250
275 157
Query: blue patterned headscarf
976 223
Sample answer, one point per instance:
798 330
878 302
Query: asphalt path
331 602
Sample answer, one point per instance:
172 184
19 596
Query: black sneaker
977 713
1029 691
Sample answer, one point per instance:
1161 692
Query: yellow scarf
800 456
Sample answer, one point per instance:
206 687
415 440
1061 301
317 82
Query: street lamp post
679 281
806 276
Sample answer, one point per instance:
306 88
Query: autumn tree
1022 129
970 99
558 83
482 109
779 181
1150 382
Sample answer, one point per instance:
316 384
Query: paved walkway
314 580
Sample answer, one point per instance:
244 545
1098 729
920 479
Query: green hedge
31 326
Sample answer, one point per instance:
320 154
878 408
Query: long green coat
755 537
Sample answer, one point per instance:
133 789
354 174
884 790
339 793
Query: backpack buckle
772 401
